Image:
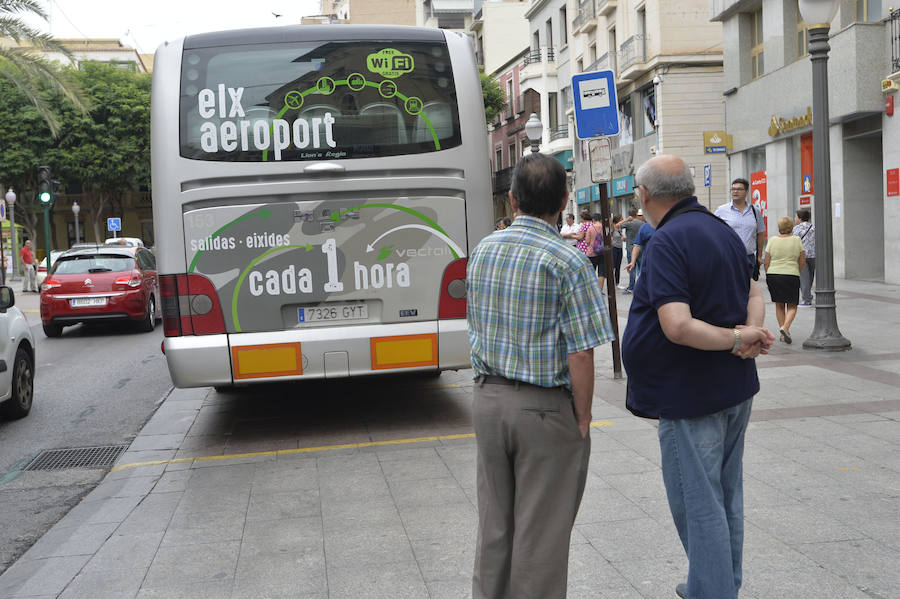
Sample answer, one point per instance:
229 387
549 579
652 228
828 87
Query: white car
16 358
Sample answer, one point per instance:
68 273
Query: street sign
601 160
2 210
707 175
596 107
113 224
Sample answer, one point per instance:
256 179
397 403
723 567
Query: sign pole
611 287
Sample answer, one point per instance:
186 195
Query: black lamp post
825 334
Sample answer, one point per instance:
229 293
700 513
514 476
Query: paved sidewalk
214 500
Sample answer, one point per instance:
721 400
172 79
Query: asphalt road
94 386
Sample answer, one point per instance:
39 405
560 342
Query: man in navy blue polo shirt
694 327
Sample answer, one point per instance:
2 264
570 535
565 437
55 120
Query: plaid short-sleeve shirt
532 300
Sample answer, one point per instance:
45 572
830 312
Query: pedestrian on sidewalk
631 226
694 326
747 222
784 262
807 234
535 313
617 246
27 256
637 251
594 242
570 231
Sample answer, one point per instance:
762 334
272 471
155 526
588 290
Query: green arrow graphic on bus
263 213
246 271
443 236
336 217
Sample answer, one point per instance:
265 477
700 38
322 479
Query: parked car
101 283
126 241
16 358
42 265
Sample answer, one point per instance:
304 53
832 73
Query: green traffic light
45 197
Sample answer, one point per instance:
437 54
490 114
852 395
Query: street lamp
533 131
75 210
11 202
825 334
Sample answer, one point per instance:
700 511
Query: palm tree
29 70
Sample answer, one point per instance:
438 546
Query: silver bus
316 190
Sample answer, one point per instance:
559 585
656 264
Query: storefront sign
893 181
623 186
781 125
758 196
581 196
806 201
716 142
595 193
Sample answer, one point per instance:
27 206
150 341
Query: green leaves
494 98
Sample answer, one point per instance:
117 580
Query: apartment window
626 135
536 41
512 154
549 30
563 26
757 67
510 98
868 11
648 111
613 47
553 109
592 53
498 159
802 44
579 64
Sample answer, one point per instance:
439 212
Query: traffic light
45 185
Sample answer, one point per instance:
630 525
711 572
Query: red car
101 283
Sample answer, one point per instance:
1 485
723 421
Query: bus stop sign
596 107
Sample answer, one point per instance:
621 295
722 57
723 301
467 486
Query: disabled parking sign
114 224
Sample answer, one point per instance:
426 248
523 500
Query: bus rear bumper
316 353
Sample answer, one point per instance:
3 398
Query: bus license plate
333 313
88 301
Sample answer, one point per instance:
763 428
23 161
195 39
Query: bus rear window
317 101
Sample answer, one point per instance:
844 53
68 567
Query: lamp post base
827 343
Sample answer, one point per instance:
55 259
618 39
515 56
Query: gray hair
665 186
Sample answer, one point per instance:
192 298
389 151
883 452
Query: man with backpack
745 219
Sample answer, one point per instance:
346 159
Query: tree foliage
23 65
103 152
107 150
494 98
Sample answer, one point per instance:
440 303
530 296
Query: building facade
667 60
768 99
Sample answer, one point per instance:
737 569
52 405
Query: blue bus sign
113 224
707 175
596 107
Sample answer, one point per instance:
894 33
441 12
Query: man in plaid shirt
535 314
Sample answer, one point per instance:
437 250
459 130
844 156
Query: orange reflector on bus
404 351
259 361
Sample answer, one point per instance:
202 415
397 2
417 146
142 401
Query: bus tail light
453 290
190 306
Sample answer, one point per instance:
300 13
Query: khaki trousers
531 471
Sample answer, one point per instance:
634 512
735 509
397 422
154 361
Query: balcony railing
560 132
600 64
895 40
587 10
502 179
543 54
631 51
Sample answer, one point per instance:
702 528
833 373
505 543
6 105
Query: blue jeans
703 474
632 275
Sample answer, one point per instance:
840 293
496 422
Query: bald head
666 178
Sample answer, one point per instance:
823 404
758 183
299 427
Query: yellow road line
316 449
